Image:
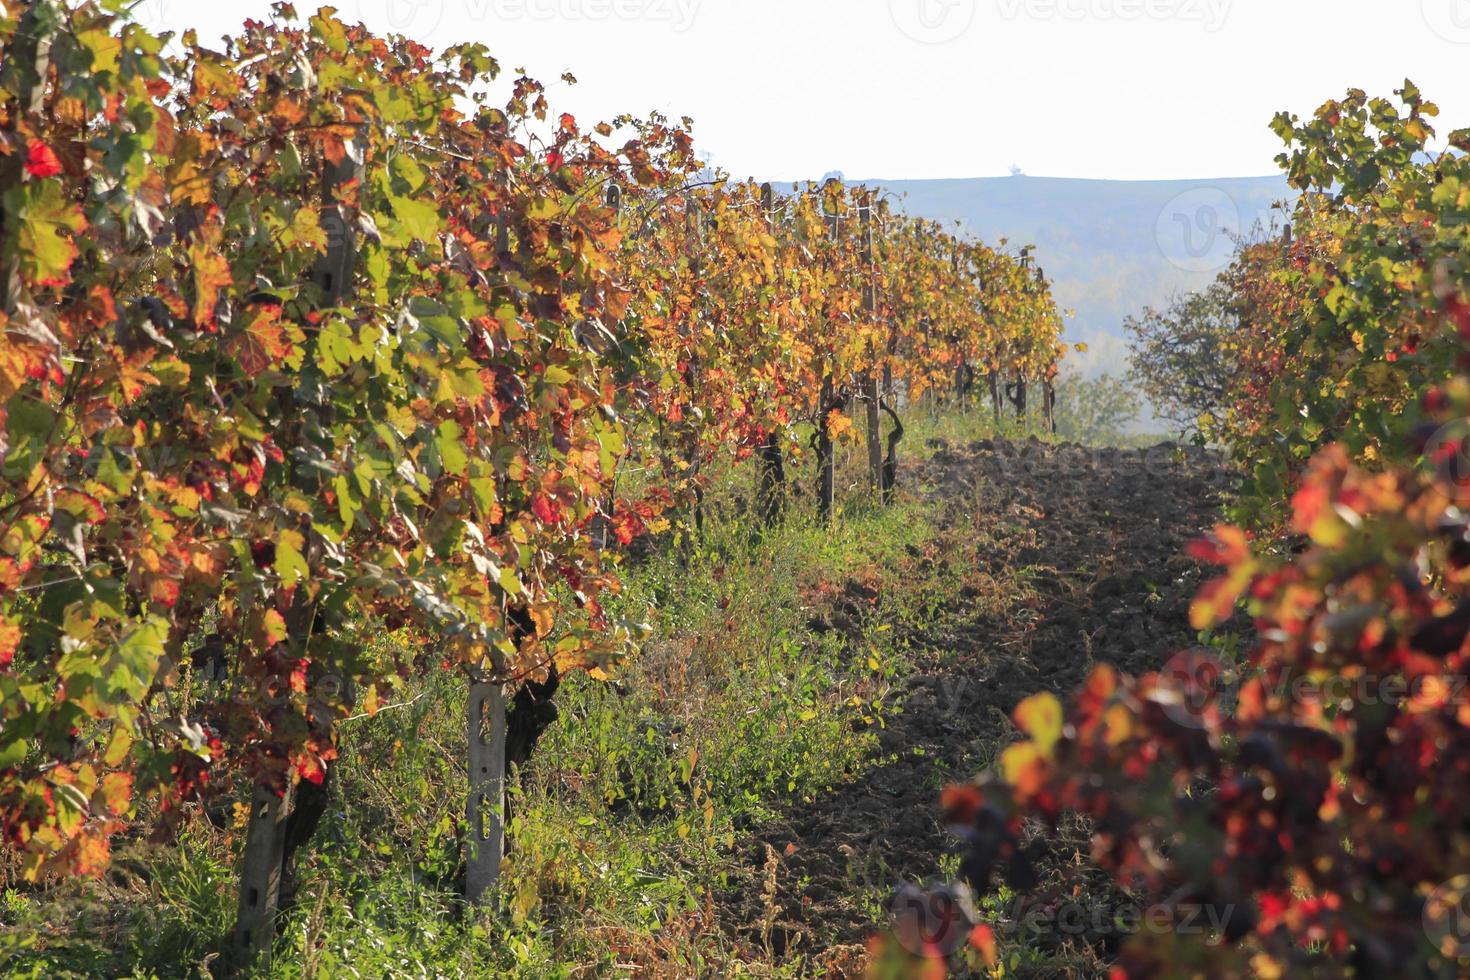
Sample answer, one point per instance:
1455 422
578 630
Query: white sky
1124 89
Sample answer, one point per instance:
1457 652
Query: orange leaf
211 274
17 363
1023 767
961 804
117 792
133 376
262 343
983 939
9 641
1216 600
272 628
838 425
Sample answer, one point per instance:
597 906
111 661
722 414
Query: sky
891 89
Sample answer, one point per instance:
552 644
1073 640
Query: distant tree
1183 358
1097 411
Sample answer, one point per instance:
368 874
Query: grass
743 702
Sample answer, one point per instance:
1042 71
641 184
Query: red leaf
1226 546
41 161
262 344
310 769
546 510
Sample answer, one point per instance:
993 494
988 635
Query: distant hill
1110 247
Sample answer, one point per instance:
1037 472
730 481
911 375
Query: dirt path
1100 536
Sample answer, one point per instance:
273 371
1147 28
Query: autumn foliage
310 337
1312 794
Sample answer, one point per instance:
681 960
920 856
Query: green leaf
418 219
449 440
290 562
46 252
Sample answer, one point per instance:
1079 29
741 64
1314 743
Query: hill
1110 247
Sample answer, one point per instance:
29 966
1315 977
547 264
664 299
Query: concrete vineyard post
486 736
826 461
260 879
772 483
870 378
485 810
694 242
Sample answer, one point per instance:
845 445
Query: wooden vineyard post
772 480
826 461
870 379
602 523
694 242
826 458
961 372
888 401
262 865
485 809
771 487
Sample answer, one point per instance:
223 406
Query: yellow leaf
544 616
1040 716
305 229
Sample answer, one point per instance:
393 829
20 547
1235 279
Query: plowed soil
1098 537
